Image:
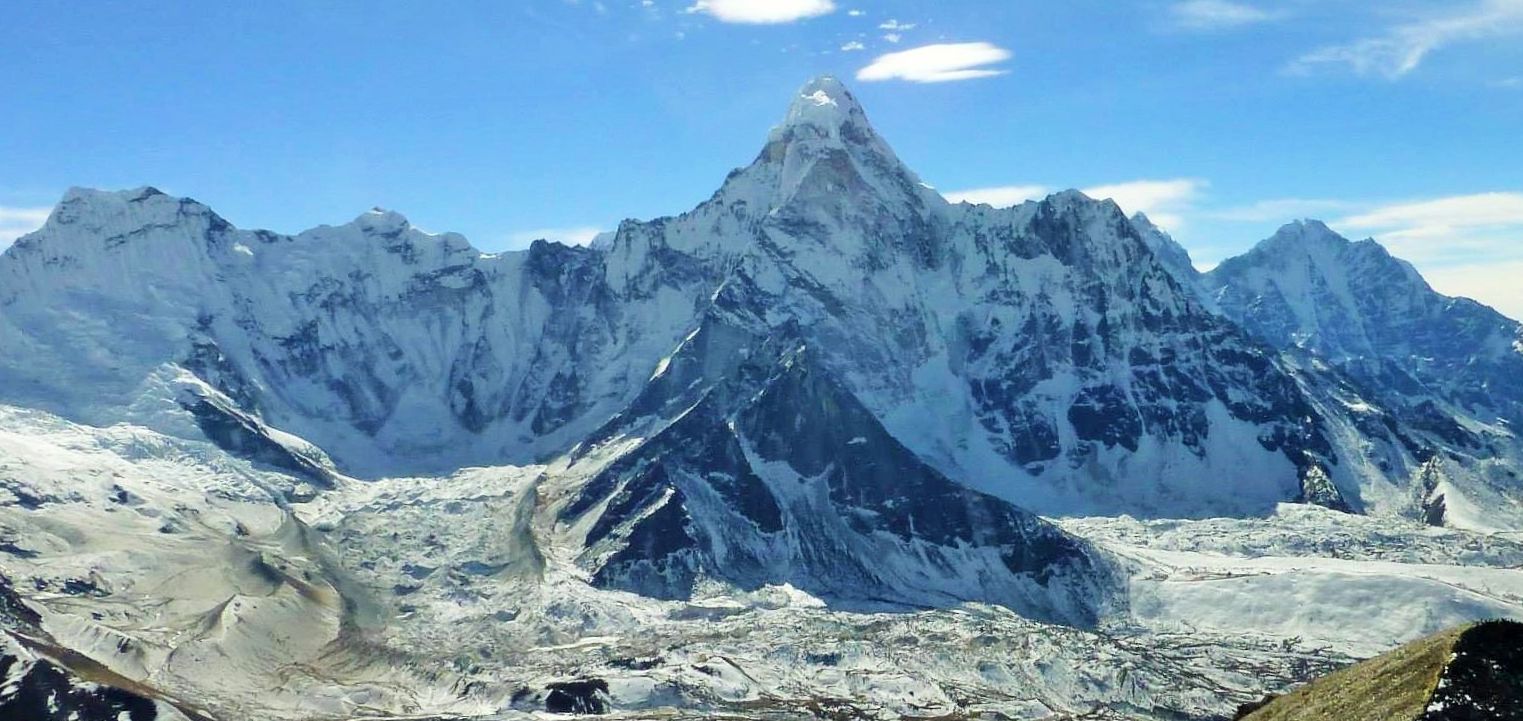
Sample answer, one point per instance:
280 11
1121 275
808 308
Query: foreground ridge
1471 672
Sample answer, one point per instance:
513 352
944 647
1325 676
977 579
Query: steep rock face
1170 253
39 690
763 470
35 687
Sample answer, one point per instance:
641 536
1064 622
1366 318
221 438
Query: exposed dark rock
239 434
587 696
39 690
1483 680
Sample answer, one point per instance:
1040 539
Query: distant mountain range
825 379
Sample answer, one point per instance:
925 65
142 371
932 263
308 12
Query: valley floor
204 579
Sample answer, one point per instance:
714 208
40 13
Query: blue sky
510 119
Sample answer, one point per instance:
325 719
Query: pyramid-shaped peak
824 103
1306 231
826 91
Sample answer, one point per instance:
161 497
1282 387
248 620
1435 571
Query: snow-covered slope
390 349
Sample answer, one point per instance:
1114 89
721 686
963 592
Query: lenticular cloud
937 63
763 12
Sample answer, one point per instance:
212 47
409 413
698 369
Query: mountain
1064 367
763 456
1473 672
1372 315
1446 373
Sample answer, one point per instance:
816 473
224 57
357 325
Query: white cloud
853 46
1492 283
1400 49
763 12
1454 229
937 63
581 235
1463 211
1216 14
16 222
1002 196
896 25
856 13
1165 202
893 37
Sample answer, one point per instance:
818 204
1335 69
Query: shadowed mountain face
1430 386
759 468
37 689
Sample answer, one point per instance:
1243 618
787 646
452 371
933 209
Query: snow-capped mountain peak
826 152
1303 237
116 216
382 221
824 103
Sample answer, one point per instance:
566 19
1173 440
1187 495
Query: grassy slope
1391 687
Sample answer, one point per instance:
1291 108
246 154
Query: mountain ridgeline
824 375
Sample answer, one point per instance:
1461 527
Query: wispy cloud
1457 211
895 25
580 235
937 63
1208 15
1401 48
762 12
853 46
1450 229
1493 283
1166 202
16 222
